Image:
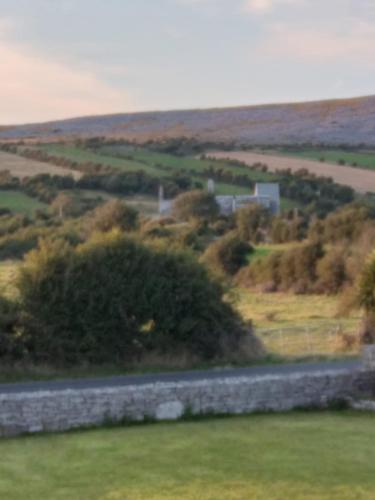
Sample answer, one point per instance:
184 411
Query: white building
266 194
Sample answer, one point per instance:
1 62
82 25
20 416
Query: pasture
298 326
360 180
154 164
19 202
23 167
293 456
360 159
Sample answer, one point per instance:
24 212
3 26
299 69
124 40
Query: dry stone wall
62 410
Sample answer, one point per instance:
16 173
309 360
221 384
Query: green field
160 165
186 163
19 202
296 456
361 159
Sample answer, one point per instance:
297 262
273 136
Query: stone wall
62 410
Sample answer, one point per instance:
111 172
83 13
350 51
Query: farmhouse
265 194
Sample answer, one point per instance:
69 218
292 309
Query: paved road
95 383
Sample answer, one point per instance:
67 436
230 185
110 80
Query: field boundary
361 180
54 411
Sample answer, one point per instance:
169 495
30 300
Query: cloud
355 45
34 88
264 6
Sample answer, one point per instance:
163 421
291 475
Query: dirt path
23 167
360 180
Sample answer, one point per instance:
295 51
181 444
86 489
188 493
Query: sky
66 58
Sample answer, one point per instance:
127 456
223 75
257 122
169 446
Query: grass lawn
362 159
19 202
294 456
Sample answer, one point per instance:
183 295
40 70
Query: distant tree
331 272
65 205
114 214
227 255
366 299
196 205
251 220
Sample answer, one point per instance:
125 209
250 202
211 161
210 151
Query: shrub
227 255
10 343
113 299
250 220
196 205
366 289
114 214
331 272
294 270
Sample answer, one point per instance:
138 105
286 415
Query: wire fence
311 340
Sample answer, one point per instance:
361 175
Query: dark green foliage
114 214
113 299
10 345
227 255
196 205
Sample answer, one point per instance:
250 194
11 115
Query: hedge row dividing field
360 159
360 180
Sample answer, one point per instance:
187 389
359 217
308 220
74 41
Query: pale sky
66 58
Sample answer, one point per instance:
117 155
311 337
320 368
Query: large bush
10 343
196 205
227 255
114 214
113 299
252 221
294 270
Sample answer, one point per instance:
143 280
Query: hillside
361 180
346 121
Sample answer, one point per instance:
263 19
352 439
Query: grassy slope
19 202
363 159
293 456
147 161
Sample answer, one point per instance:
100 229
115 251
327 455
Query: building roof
270 189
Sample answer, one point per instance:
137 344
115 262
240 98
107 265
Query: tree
251 220
366 299
227 255
113 299
114 214
331 271
65 205
196 205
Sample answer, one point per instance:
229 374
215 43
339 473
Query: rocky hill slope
346 121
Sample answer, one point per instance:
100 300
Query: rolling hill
335 122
